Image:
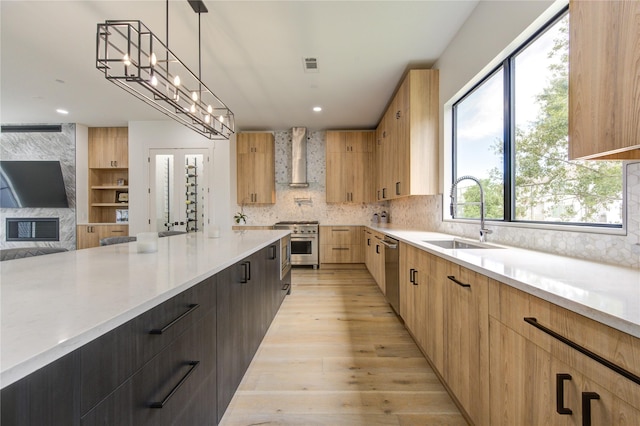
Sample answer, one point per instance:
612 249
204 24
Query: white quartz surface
608 294
54 304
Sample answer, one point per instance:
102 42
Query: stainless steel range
305 248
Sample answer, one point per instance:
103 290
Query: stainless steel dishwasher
392 272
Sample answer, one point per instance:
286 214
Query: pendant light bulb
154 59
176 81
193 108
207 118
194 96
126 59
222 118
209 109
154 80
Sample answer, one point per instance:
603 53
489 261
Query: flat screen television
32 184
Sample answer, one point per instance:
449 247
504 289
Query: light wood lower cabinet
539 378
374 257
341 244
88 236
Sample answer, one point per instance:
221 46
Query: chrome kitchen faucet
483 230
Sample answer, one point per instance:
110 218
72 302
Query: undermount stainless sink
458 244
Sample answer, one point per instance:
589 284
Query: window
511 132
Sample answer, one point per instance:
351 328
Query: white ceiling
252 57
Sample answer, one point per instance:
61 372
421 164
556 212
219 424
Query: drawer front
350 235
111 359
343 253
171 388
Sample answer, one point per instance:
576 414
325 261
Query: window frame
509 154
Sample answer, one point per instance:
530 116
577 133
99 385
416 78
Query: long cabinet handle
192 307
377 249
626 373
415 273
246 272
340 230
455 280
586 406
411 279
340 248
560 408
161 404
398 188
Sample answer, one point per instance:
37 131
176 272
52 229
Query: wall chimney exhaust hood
299 158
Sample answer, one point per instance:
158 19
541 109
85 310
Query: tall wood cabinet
108 185
407 139
604 88
349 172
256 169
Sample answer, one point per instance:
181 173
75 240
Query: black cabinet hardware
286 286
415 281
368 241
192 307
340 248
560 408
246 273
273 252
455 280
340 230
377 249
384 193
397 188
160 404
411 271
586 407
626 373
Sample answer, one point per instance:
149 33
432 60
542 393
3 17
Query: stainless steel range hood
299 158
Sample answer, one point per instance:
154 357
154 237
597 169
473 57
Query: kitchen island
54 306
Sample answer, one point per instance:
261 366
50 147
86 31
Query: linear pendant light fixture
133 58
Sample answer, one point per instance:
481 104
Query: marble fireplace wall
45 146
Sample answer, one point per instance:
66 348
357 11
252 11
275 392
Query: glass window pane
479 136
549 187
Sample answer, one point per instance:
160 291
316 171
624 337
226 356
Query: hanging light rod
133 58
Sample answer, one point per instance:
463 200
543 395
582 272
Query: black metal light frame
133 58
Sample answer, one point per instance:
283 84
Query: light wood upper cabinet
349 172
108 147
256 176
407 139
604 79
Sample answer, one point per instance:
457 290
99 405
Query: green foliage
548 185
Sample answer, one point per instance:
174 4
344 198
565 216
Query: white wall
144 135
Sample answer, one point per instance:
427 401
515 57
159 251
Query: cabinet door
255 168
466 327
336 182
108 147
87 236
603 79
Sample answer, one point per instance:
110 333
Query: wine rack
191 200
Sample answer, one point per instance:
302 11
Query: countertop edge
595 314
39 360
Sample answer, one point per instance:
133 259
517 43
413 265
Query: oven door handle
303 237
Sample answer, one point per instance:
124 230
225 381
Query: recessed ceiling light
317 109
62 111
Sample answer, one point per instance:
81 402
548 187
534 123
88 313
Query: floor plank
336 354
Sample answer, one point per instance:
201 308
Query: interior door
179 192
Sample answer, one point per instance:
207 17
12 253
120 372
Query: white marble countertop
606 293
54 304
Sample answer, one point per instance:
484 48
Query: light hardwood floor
336 354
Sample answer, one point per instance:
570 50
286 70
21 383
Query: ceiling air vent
310 64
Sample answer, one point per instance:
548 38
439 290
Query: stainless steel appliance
305 249
392 272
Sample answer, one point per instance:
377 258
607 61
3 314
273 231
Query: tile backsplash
293 204
425 212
